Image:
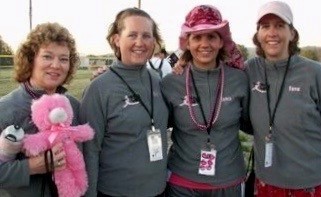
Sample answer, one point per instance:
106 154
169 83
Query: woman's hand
179 67
37 163
98 72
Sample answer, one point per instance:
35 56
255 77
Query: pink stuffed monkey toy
53 114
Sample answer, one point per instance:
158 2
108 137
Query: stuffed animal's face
51 110
10 142
13 133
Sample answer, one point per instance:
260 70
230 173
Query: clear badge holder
154 141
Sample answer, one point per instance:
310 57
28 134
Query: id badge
268 154
154 141
207 161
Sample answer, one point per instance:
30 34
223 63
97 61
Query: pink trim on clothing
266 190
178 180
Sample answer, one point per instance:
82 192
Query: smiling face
136 41
274 36
204 48
50 67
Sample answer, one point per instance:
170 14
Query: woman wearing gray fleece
285 108
208 105
124 105
44 62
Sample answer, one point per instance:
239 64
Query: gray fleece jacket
117 159
188 140
297 126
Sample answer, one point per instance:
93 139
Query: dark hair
42 35
293 45
221 56
118 25
163 51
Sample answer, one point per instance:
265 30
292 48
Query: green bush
6 61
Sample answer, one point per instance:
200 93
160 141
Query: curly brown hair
118 25
43 35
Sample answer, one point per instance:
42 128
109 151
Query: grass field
75 88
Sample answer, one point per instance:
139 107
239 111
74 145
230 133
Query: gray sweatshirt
188 140
14 175
297 126
117 159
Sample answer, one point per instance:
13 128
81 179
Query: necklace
216 105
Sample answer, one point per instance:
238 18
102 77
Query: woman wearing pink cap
208 105
285 108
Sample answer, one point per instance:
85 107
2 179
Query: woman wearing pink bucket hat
208 105
203 19
285 108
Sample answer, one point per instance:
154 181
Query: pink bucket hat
277 8
205 18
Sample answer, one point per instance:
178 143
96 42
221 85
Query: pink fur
71 181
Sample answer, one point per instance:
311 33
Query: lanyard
272 115
159 69
216 107
137 96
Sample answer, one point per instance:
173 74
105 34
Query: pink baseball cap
207 18
277 8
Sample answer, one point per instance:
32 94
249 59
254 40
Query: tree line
311 52
5 49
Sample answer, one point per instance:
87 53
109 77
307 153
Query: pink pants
265 190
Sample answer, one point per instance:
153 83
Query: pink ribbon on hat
235 58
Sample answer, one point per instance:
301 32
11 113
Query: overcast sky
88 20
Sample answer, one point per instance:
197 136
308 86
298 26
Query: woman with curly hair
44 62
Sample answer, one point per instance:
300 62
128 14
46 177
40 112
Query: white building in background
84 62
93 62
